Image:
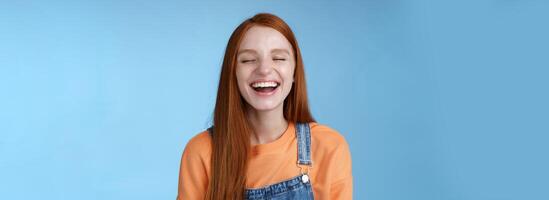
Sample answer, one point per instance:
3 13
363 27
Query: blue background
437 99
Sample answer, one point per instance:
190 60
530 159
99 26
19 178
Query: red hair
231 130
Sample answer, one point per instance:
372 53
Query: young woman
264 143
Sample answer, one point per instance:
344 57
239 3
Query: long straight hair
231 130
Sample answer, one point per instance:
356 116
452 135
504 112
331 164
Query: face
265 68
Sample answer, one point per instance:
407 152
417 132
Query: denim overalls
298 187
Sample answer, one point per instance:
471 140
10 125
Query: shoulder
326 137
331 154
199 145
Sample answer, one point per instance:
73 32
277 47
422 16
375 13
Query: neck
267 125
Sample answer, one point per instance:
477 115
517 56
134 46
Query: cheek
287 73
241 80
241 75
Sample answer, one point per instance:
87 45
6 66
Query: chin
264 107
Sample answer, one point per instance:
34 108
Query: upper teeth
264 84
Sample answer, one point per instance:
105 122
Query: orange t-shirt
274 162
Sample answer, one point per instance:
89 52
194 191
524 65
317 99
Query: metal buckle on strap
304 169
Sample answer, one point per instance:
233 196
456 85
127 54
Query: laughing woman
264 142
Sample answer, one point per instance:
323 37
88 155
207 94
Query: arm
193 173
342 186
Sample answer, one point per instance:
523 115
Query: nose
265 66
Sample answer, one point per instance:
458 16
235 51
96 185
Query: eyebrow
255 52
247 51
281 50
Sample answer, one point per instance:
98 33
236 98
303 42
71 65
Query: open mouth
265 86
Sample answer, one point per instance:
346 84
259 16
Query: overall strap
303 134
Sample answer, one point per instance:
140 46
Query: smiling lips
265 88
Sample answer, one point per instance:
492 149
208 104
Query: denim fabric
289 189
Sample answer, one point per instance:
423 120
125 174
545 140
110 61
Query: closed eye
247 61
280 59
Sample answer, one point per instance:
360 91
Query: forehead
261 38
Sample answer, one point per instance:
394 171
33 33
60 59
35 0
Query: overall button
305 178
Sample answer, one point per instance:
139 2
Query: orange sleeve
342 186
193 172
